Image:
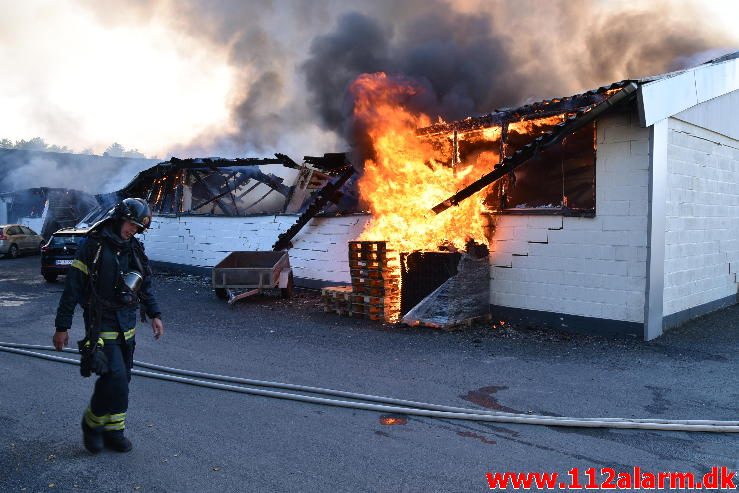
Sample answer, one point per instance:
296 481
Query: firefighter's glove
100 362
93 359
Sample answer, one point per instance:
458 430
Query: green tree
117 150
56 148
114 150
35 144
134 153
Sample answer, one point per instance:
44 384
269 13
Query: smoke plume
297 59
293 61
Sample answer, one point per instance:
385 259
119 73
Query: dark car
57 255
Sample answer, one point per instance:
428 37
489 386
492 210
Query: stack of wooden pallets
375 290
337 299
375 274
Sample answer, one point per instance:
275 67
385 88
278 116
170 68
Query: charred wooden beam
330 162
209 162
213 192
562 130
212 199
287 160
328 193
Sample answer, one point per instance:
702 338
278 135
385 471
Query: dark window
14 230
60 241
28 231
560 177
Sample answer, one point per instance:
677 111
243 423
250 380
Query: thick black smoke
456 57
504 54
359 45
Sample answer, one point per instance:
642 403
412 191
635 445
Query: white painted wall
592 267
702 223
319 252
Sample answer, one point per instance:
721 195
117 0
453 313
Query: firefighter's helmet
135 210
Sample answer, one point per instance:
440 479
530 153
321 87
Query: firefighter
111 279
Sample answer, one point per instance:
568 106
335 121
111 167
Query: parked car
57 255
16 239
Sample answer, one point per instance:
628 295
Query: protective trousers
109 402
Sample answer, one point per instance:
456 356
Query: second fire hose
383 404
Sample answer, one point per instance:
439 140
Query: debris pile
461 300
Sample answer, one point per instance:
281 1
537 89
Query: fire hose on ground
379 403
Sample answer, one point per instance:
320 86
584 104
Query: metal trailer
243 274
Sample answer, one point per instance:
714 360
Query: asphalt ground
201 440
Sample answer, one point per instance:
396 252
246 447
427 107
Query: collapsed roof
233 187
240 187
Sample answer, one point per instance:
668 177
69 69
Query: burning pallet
375 290
375 274
427 285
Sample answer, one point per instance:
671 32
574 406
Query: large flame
407 175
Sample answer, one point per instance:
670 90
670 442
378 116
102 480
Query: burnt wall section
593 267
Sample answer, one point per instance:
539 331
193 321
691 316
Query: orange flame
533 125
408 176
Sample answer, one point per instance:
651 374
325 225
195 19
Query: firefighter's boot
115 440
92 439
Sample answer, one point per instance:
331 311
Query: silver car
16 239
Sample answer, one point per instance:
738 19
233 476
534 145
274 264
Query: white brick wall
319 252
702 223
593 267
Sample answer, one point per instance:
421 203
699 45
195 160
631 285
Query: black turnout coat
116 256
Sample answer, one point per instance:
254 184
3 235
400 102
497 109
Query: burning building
613 211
